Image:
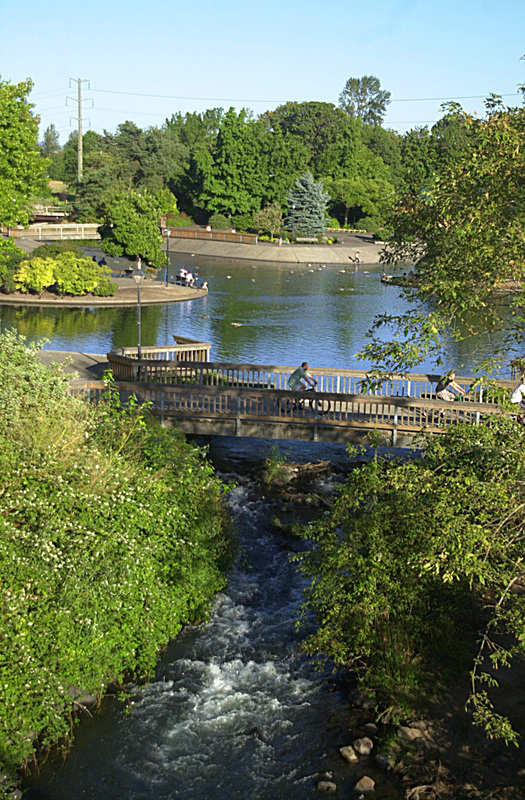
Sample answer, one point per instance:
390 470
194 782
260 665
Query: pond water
283 314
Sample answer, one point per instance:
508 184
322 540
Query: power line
239 100
436 99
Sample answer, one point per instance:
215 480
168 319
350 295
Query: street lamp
138 277
168 234
293 219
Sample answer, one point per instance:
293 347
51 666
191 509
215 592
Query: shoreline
151 293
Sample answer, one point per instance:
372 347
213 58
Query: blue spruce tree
306 207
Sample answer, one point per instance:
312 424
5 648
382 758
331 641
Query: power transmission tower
80 160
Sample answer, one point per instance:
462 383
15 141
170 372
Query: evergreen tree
50 144
307 204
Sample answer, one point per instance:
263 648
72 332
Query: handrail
157 366
402 414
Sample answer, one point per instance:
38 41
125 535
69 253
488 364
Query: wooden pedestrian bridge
230 399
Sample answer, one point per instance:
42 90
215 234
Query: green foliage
64 268
76 275
105 288
53 249
232 173
417 560
307 206
269 219
178 220
10 258
22 167
363 98
132 225
112 535
50 144
34 274
219 221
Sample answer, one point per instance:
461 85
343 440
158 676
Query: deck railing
242 405
162 365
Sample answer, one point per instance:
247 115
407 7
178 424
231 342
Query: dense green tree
307 203
387 145
365 197
232 175
416 561
195 129
364 99
317 126
22 167
418 157
131 225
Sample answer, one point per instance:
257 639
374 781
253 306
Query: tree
50 144
22 167
307 204
131 226
363 98
269 219
369 197
418 560
232 175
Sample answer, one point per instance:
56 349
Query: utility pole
80 159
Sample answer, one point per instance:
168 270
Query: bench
307 239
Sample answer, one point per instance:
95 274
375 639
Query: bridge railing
255 405
161 365
157 363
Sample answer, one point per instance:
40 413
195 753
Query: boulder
327 786
363 746
366 784
349 753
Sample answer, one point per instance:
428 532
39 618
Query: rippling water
234 712
287 314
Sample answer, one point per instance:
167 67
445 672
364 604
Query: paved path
89 366
342 253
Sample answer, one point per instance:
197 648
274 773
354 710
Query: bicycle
317 405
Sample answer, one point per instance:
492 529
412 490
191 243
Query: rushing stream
234 711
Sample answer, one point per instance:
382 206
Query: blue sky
199 54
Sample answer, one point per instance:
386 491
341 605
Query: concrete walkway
341 253
88 366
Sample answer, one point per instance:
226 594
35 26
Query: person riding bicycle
299 380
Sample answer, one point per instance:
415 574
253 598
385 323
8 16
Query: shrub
178 220
219 221
53 249
78 276
35 274
112 535
106 288
242 222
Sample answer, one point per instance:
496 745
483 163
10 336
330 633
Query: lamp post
168 234
138 277
293 219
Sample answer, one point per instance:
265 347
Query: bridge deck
264 412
